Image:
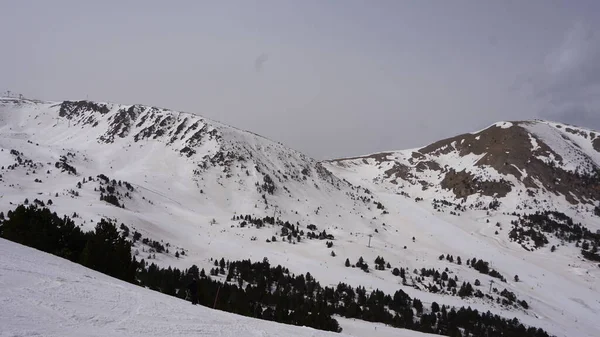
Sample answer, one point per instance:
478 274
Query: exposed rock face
464 184
70 109
596 144
80 110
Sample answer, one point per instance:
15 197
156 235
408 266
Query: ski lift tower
274 212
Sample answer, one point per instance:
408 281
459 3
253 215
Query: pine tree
347 264
418 305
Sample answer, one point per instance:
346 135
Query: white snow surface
504 125
173 203
43 295
572 154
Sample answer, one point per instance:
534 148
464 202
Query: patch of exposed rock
464 184
596 144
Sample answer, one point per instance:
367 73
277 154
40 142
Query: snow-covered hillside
43 295
527 165
183 181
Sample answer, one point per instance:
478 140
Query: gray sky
328 78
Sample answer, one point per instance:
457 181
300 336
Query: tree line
255 289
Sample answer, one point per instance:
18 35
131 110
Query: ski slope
43 295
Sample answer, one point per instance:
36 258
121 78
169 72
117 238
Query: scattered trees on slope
534 227
254 289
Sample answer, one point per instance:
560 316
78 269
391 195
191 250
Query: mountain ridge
129 163
510 148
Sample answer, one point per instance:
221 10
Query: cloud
260 61
568 84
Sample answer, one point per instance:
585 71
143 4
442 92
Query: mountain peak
504 158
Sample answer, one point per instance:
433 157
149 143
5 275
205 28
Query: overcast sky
328 78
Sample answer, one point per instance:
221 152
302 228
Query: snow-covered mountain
184 181
508 160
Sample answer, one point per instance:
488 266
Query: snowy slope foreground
184 181
43 295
